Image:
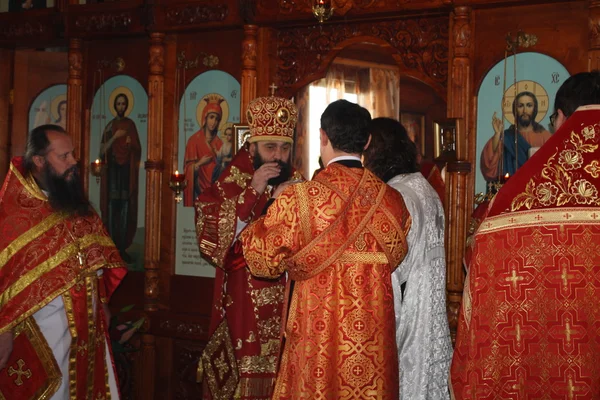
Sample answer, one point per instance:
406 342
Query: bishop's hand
261 176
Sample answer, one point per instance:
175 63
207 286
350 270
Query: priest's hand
261 176
6 346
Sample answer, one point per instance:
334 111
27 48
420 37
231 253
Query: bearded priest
246 315
58 268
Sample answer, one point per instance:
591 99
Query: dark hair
391 152
579 90
536 127
60 103
37 144
346 126
123 95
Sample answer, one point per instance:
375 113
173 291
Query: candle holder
178 185
96 169
322 10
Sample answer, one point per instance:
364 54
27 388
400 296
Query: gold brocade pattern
561 182
30 329
529 324
221 373
258 364
340 331
269 295
64 254
30 236
238 177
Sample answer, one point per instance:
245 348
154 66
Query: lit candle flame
176 172
507 176
97 161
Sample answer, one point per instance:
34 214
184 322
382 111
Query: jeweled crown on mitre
272 118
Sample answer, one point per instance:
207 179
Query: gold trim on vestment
91 318
29 184
31 329
220 342
29 236
61 256
68 301
364 257
358 229
522 219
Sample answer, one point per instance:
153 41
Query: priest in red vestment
339 237
58 266
241 357
529 325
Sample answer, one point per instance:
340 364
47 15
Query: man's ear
323 137
252 149
368 143
560 119
39 161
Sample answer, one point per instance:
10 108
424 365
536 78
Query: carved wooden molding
104 22
420 44
157 165
194 14
341 7
594 24
22 30
183 328
459 166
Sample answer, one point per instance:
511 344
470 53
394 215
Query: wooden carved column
7 62
248 86
594 49
154 169
458 198
75 94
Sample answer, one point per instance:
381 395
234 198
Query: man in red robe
529 323
339 237
241 357
57 267
201 151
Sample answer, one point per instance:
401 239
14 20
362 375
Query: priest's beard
65 193
284 175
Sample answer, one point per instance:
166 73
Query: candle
505 177
177 177
97 161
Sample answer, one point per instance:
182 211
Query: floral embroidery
570 159
546 193
584 192
564 183
593 169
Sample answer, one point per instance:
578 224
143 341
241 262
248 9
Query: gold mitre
272 118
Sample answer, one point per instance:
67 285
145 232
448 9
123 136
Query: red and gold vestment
241 356
529 325
45 254
339 237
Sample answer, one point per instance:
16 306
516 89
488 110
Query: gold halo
54 105
224 107
526 86
111 100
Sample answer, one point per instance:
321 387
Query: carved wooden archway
419 46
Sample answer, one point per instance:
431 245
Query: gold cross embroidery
82 348
20 372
